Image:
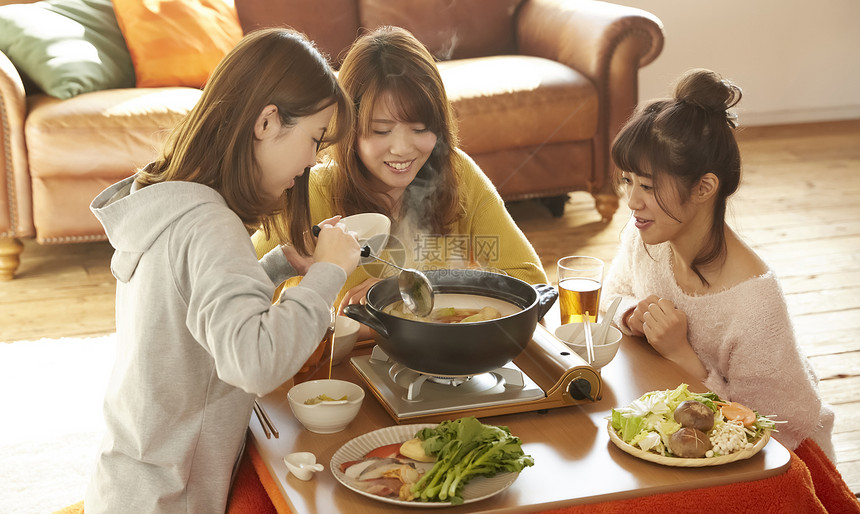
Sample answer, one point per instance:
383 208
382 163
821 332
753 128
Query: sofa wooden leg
606 205
10 257
555 204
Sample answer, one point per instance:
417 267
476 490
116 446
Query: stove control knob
580 389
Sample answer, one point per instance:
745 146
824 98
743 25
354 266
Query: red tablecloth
811 484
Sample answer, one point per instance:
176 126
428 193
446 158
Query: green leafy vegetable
648 422
466 448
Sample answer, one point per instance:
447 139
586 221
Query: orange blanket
248 495
811 484
254 489
829 486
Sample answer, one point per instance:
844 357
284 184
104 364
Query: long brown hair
682 138
390 60
214 143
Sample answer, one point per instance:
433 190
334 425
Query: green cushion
66 47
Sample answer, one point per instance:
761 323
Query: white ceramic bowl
573 335
325 417
345 336
371 229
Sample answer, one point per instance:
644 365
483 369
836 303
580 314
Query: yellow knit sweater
485 236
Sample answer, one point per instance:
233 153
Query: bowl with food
371 229
325 406
573 335
345 337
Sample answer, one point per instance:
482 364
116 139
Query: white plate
478 488
371 228
687 463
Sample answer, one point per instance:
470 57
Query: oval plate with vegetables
678 427
467 462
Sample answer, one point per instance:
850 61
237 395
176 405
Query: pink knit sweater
742 335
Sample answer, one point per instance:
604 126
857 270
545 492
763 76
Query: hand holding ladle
415 288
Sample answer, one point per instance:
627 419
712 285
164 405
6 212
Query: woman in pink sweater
689 285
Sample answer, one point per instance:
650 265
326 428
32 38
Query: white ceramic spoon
302 464
603 327
328 402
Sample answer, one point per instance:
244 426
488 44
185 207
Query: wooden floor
799 207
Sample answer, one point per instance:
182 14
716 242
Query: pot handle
547 295
361 314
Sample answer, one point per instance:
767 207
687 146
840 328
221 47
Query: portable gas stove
547 374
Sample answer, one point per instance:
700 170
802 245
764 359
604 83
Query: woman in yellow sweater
402 161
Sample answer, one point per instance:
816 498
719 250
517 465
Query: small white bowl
302 465
573 335
325 417
345 336
371 229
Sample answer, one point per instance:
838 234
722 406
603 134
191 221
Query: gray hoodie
198 338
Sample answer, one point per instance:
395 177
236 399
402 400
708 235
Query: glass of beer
579 281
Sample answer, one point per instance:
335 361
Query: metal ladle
415 288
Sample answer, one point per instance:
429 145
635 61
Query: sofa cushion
451 29
177 42
66 47
105 133
332 33
78 147
515 101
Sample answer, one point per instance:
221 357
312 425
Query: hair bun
707 90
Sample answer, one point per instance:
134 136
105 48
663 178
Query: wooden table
575 462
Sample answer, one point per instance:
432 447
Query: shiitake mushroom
696 415
689 443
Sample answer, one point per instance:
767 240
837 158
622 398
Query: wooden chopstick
268 420
265 421
589 342
261 420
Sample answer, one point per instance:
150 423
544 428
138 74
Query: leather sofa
540 88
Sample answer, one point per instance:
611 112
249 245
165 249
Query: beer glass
579 281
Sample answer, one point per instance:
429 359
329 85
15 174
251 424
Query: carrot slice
389 451
739 412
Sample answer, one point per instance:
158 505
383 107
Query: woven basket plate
687 463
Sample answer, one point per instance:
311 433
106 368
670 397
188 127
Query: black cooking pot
451 349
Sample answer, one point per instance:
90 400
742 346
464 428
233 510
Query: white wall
796 60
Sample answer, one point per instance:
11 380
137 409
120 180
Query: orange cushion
177 42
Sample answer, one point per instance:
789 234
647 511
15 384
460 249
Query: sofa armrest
16 214
606 42
588 35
